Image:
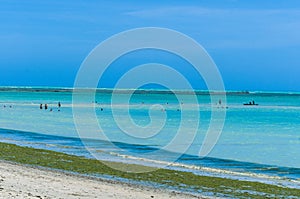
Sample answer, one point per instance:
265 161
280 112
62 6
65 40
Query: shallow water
263 139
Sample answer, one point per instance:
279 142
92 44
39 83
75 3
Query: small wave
209 170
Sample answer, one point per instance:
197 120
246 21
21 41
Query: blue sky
255 44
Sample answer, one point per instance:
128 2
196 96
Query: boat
248 104
251 104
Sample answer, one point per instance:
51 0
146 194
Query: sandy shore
18 181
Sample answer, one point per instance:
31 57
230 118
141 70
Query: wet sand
20 181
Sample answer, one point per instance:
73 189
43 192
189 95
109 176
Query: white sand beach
19 181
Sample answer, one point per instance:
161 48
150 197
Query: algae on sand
180 180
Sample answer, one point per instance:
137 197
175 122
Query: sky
255 44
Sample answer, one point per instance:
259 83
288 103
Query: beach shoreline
56 175
25 181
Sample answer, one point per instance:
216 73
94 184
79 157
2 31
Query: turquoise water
263 139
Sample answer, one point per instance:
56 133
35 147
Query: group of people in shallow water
59 105
46 106
4 106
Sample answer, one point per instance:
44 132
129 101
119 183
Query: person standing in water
59 105
41 106
46 106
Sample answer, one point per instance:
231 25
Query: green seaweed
178 179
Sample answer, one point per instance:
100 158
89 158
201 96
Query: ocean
259 143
